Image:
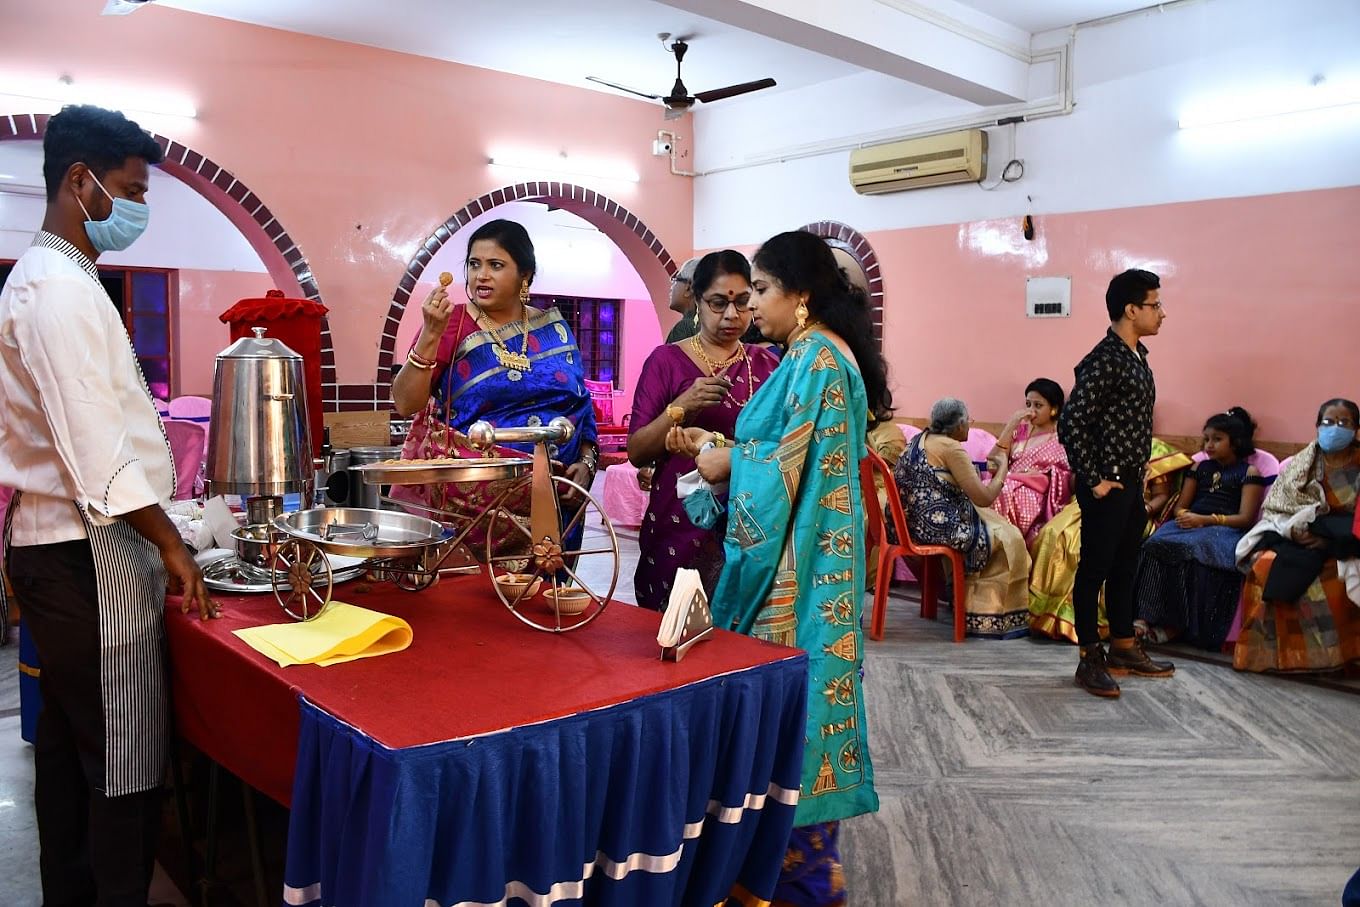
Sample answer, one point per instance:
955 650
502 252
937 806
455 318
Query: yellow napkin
342 633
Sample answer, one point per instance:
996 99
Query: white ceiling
565 40
1035 16
557 40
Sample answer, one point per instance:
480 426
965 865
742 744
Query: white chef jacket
78 427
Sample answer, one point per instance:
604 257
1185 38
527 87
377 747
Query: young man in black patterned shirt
1106 428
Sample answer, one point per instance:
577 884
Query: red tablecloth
472 669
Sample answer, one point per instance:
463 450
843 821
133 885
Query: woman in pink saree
1040 481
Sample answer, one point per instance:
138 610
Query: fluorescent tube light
568 166
1276 104
52 96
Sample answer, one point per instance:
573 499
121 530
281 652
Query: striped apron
131 581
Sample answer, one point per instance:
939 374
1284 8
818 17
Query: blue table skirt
670 799
30 696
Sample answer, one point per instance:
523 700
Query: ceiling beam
905 39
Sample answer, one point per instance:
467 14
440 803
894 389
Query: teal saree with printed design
795 557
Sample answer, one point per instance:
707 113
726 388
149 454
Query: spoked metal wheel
556 587
417 573
301 578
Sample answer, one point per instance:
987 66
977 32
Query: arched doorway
287 265
853 243
644 251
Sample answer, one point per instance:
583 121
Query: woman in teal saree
794 572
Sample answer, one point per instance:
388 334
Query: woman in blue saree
496 359
795 567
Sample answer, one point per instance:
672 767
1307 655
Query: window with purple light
595 323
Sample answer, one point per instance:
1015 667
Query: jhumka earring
801 314
524 292
696 314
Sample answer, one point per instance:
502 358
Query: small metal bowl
253 546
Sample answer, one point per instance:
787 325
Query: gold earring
801 314
524 292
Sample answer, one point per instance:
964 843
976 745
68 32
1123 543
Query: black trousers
1111 532
94 849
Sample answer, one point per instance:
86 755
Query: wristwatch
677 413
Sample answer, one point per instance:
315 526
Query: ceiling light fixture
50 97
569 166
1316 97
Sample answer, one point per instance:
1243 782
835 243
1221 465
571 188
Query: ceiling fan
680 100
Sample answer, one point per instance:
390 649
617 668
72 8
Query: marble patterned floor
1003 784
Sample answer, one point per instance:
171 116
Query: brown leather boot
1092 674
1134 660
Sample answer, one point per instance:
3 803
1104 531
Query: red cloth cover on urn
295 322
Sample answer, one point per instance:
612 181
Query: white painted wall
185 230
1121 146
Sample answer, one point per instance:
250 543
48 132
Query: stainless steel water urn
260 443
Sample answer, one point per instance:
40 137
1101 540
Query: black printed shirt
1107 422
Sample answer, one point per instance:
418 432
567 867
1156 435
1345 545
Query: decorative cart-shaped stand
543 580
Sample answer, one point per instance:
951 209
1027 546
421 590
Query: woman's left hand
715 464
579 473
1190 520
687 441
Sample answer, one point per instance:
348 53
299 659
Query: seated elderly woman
1301 603
946 503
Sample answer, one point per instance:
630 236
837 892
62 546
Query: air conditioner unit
936 160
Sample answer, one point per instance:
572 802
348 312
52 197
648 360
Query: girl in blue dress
1188 584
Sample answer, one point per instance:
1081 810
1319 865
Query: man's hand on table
187 580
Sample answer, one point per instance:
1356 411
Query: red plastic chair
929 569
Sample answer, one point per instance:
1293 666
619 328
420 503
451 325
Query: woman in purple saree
702 381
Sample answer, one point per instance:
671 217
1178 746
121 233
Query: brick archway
840 236
638 243
285 262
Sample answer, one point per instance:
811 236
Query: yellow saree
1057 548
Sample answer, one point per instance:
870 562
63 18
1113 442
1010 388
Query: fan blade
732 91
641 94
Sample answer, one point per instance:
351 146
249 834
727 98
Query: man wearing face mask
90 548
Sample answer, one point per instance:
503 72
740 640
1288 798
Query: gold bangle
1220 519
719 439
413 360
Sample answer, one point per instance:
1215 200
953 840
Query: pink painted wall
360 153
1262 297
199 335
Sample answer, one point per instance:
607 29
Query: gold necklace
516 362
715 366
807 329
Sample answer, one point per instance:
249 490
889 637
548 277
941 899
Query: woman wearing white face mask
1301 602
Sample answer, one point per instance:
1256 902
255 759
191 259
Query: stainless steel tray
417 472
230 574
363 532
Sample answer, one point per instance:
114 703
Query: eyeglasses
1149 305
718 304
678 279
1344 423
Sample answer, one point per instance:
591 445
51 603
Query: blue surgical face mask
120 229
1335 438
